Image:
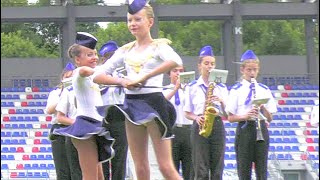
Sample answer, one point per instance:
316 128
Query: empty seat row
24 96
230 166
284 125
230 156
23 104
24 111
296 102
25 89
313 157
287 117
22 126
30 82
291 109
35 175
35 166
284 148
27 118
299 94
27 157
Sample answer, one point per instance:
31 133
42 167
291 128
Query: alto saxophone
210 112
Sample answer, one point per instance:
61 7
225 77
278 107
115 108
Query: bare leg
137 137
163 152
88 158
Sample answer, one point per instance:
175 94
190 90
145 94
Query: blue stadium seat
27 166
43 166
289 117
20 118
297 117
295 148
310 102
51 166
294 140
4 166
280 156
3 157
288 157
22 141
229 166
41 157
314 132
276 133
35 166
49 156
278 140
287 148
300 109
276 117
43 149
287 125
21 175
272 156
279 148
286 140
285 109
10 157
38 103
45 134
33 157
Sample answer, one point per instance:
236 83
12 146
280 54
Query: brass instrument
259 137
210 112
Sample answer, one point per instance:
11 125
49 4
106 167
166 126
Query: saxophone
210 112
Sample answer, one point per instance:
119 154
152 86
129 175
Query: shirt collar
245 82
200 81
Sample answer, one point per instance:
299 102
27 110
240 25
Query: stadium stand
26 150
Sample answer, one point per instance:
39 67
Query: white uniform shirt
181 119
53 98
239 93
67 102
314 117
113 95
87 94
195 95
139 64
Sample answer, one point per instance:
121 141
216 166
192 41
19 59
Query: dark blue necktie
103 91
204 88
249 95
176 98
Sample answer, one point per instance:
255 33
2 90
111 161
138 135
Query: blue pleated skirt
85 127
143 108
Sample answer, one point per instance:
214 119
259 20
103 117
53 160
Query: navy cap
249 54
110 46
136 5
206 51
69 67
87 40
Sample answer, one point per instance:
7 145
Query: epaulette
221 85
264 86
236 86
127 46
161 41
192 83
